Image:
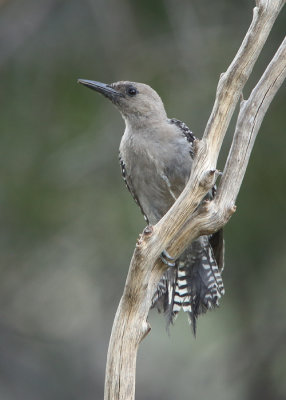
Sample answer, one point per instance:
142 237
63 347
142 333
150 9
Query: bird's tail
194 284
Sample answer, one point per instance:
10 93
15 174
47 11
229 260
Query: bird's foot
167 259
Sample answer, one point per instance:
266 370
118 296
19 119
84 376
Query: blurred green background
68 225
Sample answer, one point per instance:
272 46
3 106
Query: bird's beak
102 88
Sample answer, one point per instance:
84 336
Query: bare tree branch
213 215
250 117
186 220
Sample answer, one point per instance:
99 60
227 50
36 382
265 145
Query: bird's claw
167 259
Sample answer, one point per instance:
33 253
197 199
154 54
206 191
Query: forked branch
187 220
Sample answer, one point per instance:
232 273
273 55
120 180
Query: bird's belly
156 176
153 194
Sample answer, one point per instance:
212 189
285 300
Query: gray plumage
156 159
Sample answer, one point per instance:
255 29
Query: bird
156 155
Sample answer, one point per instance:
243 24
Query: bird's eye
132 91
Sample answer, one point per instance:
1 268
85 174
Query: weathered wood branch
211 216
186 220
251 114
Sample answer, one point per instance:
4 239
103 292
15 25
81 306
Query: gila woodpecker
156 159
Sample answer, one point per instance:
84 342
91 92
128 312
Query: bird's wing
128 183
177 165
185 131
216 240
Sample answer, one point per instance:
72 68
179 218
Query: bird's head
136 102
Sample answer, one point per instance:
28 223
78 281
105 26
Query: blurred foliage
68 226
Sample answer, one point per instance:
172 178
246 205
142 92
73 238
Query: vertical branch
237 74
250 117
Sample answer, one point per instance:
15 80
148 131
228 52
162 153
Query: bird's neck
137 122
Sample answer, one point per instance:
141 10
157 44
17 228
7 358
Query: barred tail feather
194 285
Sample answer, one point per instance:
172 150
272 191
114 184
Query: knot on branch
147 232
232 210
209 178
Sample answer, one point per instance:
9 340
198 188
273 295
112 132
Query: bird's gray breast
157 167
